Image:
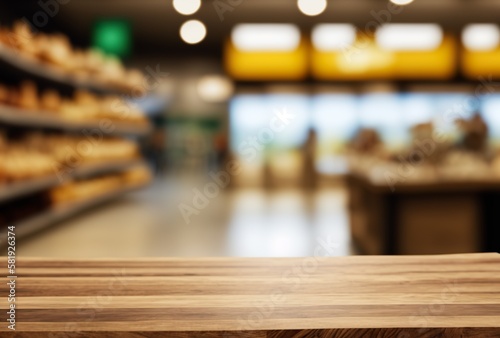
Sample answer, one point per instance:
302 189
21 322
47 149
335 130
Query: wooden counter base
370 296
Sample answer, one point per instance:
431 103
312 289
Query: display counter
396 296
424 217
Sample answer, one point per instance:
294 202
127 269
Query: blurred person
475 133
310 175
154 149
221 150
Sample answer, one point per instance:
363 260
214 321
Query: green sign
113 36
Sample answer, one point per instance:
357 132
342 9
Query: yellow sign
481 63
266 65
365 60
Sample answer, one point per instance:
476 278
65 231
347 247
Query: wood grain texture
363 296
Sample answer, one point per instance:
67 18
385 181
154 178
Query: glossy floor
232 222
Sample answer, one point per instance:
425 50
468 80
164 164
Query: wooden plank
396 296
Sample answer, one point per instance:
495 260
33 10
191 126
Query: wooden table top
369 296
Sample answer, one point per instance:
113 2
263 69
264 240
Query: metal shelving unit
14 190
15 66
61 213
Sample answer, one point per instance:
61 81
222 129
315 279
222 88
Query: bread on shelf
50 101
28 96
83 106
37 154
39 169
82 190
4 95
137 176
56 51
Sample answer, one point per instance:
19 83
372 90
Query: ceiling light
409 37
333 37
401 2
481 37
311 7
187 7
215 88
193 31
266 37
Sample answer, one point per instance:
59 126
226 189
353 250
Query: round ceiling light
193 31
215 88
311 7
187 7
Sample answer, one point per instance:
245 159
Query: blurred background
249 127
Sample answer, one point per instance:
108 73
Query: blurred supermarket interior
249 127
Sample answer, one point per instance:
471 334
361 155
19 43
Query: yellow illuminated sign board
366 61
481 63
362 61
267 65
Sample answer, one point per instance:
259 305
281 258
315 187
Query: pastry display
82 190
37 163
137 176
86 189
429 156
82 107
56 51
67 148
38 154
76 191
28 97
50 101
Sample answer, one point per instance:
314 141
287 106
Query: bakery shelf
61 213
14 190
20 66
26 118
